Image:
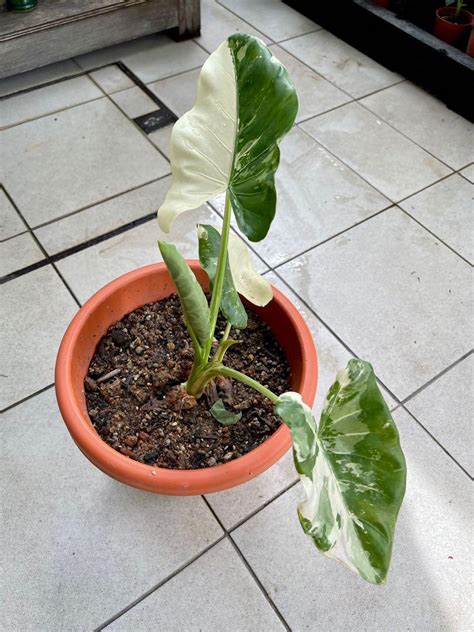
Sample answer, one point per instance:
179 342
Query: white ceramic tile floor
218 23
389 289
272 17
100 144
10 222
356 135
428 586
111 79
36 309
447 209
427 121
18 252
76 529
394 294
59 96
134 102
340 63
446 410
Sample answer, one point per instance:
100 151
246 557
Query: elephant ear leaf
228 141
353 471
193 300
231 305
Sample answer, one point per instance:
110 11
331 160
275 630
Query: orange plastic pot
451 32
110 304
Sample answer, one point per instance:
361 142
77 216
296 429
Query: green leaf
231 305
222 415
191 295
267 107
353 471
245 104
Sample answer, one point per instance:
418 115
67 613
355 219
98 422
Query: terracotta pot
110 304
450 32
470 43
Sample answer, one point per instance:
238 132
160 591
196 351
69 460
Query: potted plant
383 3
351 464
452 21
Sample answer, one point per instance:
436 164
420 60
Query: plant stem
226 332
220 273
245 379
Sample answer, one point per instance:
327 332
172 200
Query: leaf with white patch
228 141
353 471
248 282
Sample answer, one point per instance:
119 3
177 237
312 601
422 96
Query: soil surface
137 405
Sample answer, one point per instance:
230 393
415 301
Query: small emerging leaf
191 295
222 349
352 469
231 305
222 415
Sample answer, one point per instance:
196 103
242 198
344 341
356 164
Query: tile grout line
40 245
99 202
25 399
358 100
244 21
434 235
436 441
346 164
51 113
63 254
248 567
265 504
348 348
157 586
436 377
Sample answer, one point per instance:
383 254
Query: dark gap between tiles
248 567
25 399
51 259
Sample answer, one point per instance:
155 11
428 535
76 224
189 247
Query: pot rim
446 11
142 475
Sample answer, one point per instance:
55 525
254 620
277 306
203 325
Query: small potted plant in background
452 21
383 3
119 357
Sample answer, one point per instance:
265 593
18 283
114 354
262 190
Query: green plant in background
351 464
459 7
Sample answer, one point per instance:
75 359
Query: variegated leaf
228 141
248 282
353 471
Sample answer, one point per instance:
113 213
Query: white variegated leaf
353 471
248 282
202 140
229 140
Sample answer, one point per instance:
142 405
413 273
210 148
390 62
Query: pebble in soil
136 403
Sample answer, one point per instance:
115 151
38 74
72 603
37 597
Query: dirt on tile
138 406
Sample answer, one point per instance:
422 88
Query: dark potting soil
137 405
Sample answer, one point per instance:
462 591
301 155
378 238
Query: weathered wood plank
189 19
82 36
